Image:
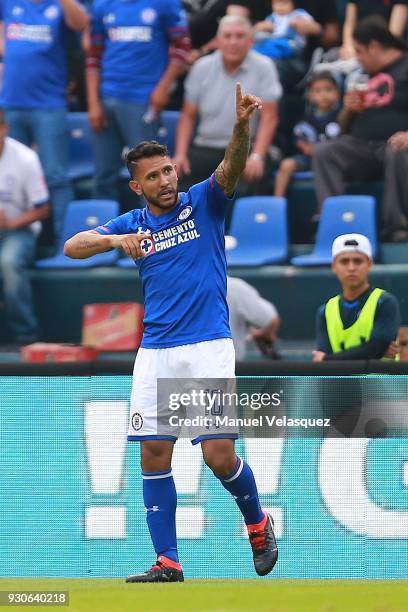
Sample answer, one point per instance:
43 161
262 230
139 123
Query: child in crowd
319 123
281 35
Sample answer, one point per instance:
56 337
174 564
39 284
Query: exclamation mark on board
105 436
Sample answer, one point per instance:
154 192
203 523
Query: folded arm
89 243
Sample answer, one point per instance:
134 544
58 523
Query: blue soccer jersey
135 36
35 56
183 273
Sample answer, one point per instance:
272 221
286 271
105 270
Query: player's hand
182 164
399 141
318 356
392 351
129 243
246 105
254 169
353 102
96 116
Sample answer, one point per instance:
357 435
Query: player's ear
136 187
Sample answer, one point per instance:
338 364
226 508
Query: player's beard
159 204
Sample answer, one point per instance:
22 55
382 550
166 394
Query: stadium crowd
333 77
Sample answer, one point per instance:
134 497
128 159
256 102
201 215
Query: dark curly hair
147 148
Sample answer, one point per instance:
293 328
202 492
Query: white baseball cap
352 243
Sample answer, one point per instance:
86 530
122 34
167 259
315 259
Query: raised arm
233 164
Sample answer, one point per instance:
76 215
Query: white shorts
180 368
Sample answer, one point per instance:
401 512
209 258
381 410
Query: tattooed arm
87 244
233 164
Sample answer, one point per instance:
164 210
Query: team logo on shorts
185 213
147 246
137 421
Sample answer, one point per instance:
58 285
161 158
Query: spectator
319 124
394 11
325 13
24 202
371 118
251 317
35 85
131 68
277 37
209 97
203 20
362 321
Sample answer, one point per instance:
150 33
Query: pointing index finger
238 92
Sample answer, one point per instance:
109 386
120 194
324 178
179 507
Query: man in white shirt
24 202
251 317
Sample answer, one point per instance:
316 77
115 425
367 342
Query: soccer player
177 242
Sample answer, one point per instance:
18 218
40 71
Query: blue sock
160 499
241 484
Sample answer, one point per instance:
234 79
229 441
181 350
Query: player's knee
221 458
156 455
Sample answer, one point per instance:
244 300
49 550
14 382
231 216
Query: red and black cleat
263 543
164 570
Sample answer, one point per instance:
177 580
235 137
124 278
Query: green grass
102 595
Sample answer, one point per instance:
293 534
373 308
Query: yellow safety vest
342 339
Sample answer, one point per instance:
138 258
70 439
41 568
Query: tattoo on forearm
233 164
84 244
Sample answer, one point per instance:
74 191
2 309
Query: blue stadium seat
260 228
81 156
341 215
167 133
83 215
